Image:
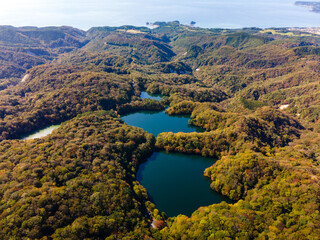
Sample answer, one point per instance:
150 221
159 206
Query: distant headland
313 6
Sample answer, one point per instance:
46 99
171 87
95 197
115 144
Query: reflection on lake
41 133
145 95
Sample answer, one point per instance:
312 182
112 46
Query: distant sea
206 13
235 13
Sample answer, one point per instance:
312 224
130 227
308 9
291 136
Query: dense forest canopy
256 92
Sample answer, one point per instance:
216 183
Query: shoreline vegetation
255 92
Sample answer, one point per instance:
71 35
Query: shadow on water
143 166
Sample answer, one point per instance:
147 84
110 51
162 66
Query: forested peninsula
255 92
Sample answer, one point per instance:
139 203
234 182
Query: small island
313 6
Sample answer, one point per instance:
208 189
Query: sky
207 13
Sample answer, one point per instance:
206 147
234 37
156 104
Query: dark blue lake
176 183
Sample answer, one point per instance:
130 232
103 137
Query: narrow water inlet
41 133
145 95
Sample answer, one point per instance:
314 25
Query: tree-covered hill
77 183
25 47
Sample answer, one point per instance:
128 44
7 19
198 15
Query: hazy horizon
216 14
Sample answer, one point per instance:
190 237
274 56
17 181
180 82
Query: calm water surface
41 133
158 122
176 184
207 13
145 95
